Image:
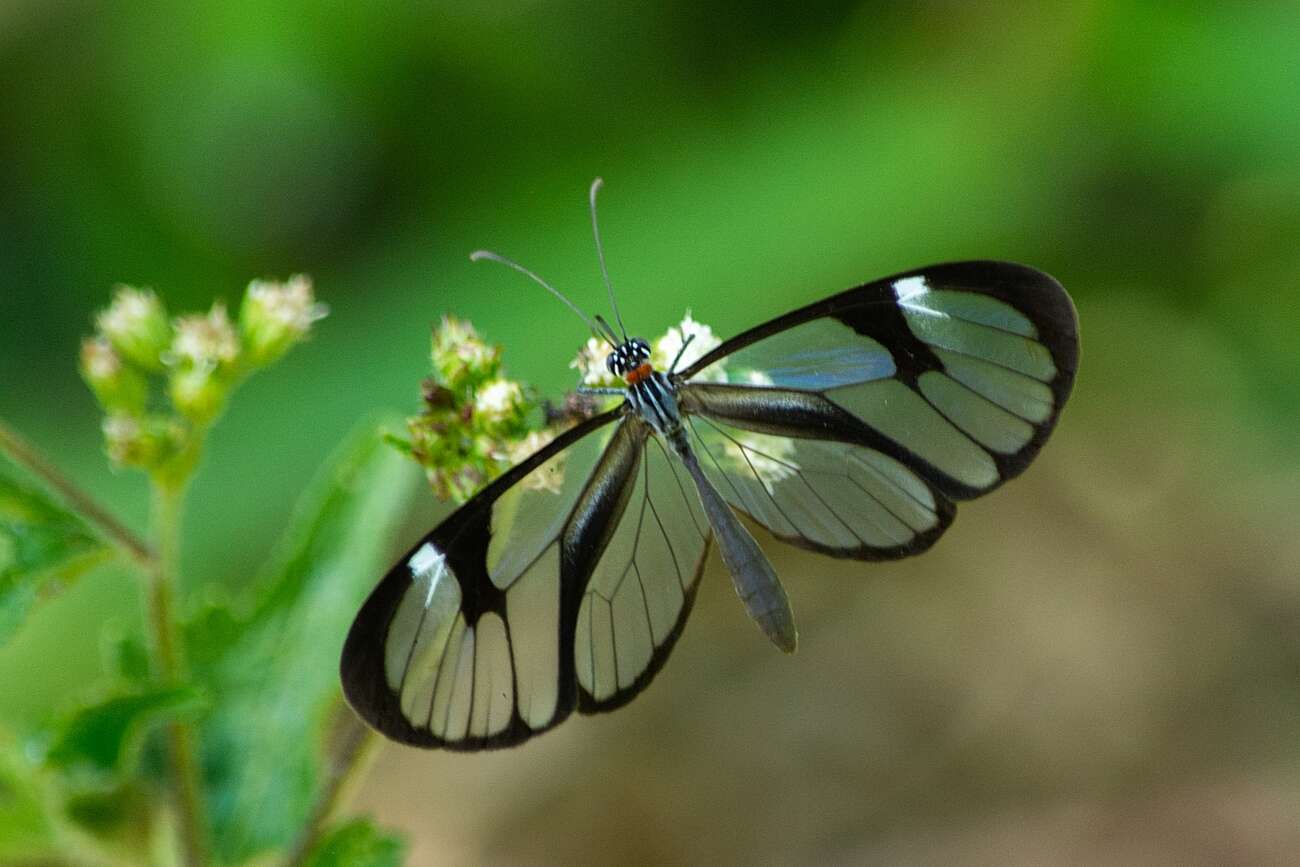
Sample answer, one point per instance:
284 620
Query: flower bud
116 385
198 393
275 316
140 441
204 340
499 402
136 325
460 357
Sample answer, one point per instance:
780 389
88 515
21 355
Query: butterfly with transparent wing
847 427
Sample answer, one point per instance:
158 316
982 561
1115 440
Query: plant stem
165 511
351 747
81 502
160 564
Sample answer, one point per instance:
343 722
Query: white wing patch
419 628
909 288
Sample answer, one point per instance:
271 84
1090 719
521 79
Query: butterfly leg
672 368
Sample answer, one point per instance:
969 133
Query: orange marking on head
639 373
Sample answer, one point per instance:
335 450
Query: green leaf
125 654
122 819
358 843
402 445
43 547
274 658
100 742
26 829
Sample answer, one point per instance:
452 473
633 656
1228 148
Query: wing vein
672 552
759 478
1015 370
940 314
645 606
717 466
686 494
827 506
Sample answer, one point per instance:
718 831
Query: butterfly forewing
957 372
468 641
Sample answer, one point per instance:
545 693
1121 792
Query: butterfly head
629 360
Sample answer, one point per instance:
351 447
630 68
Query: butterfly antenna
607 334
600 252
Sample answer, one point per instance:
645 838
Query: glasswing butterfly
848 427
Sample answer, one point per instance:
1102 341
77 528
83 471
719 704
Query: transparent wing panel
834 497
813 356
529 516
642 587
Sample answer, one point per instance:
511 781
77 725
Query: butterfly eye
612 363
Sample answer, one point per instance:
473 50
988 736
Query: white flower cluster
702 341
590 361
98 359
590 364
498 399
549 477
135 324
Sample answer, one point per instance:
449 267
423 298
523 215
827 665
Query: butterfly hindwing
637 599
836 498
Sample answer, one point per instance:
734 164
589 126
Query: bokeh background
1100 664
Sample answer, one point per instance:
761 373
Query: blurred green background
1099 664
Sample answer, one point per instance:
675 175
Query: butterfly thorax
654 398
650 394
